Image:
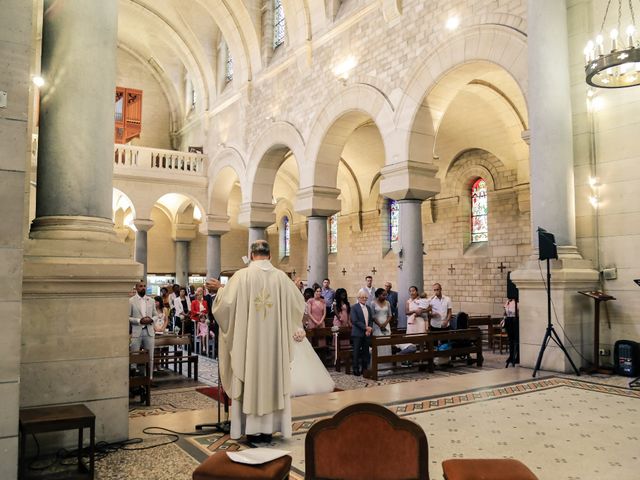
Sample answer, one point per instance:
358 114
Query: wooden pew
314 334
468 342
486 321
163 358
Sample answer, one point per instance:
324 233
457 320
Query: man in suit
371 292
362 321
392 298
142 313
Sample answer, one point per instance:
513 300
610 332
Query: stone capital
409 180
143 224
183 232
318 201
215 225
254 214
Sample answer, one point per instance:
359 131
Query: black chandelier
621 66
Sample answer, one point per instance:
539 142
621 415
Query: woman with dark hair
512 326
317 309
161 320
416 312
182 307
342 309
381 319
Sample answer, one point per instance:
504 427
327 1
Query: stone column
317 203
553 199
551 147
75 167
142 226
410 183
214 255
216 226
73 251
410 233
257 233
257 217
317 251
182 262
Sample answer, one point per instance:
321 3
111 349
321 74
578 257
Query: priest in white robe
259 313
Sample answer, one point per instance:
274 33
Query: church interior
416 142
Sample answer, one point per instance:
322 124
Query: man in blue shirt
329 295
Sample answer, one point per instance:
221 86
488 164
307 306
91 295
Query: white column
142 227
257 233
182 262
550 117
317 253
214 255
411 271
75 146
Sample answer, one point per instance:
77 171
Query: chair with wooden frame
366 441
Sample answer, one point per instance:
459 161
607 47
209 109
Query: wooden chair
366 441
499 340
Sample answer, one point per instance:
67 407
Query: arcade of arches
474 133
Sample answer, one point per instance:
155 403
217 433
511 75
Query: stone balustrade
145 159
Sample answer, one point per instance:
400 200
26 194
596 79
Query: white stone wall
610 234
155 106
15 50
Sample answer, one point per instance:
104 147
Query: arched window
278 24
332 233
228 66
394 222
479 211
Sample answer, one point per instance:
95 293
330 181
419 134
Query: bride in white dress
308 375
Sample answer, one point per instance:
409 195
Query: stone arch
500 45
267 155
354 106
470 165
178 209
228 168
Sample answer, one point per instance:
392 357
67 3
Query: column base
571 313
61 227
75 330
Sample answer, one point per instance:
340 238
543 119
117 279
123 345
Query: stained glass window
286 237
479 212
228 66
394 221
333 233
278 24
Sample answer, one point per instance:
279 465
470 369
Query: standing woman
199 316
381 319
416 315
161 320
512 326
317 309
182 308
342 309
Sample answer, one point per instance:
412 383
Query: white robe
258 312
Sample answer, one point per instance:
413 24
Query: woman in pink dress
317 309
342 309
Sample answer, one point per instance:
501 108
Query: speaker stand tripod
223 426
550 333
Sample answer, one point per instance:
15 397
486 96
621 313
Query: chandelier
621 66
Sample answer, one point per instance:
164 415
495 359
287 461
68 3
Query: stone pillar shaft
75 146
257 233
411 271
318 256
141 251
214 255
550 120
182 262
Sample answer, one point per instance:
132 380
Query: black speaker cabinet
546 244
626 357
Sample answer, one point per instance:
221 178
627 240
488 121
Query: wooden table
598 298
55 419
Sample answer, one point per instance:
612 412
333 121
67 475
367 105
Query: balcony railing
156 159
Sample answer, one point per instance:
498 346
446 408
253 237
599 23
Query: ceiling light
452 23
621 66
38 80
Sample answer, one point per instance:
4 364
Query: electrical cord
553 307
67 457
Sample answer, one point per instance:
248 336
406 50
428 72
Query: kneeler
220 467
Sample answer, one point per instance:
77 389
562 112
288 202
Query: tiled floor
562 427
